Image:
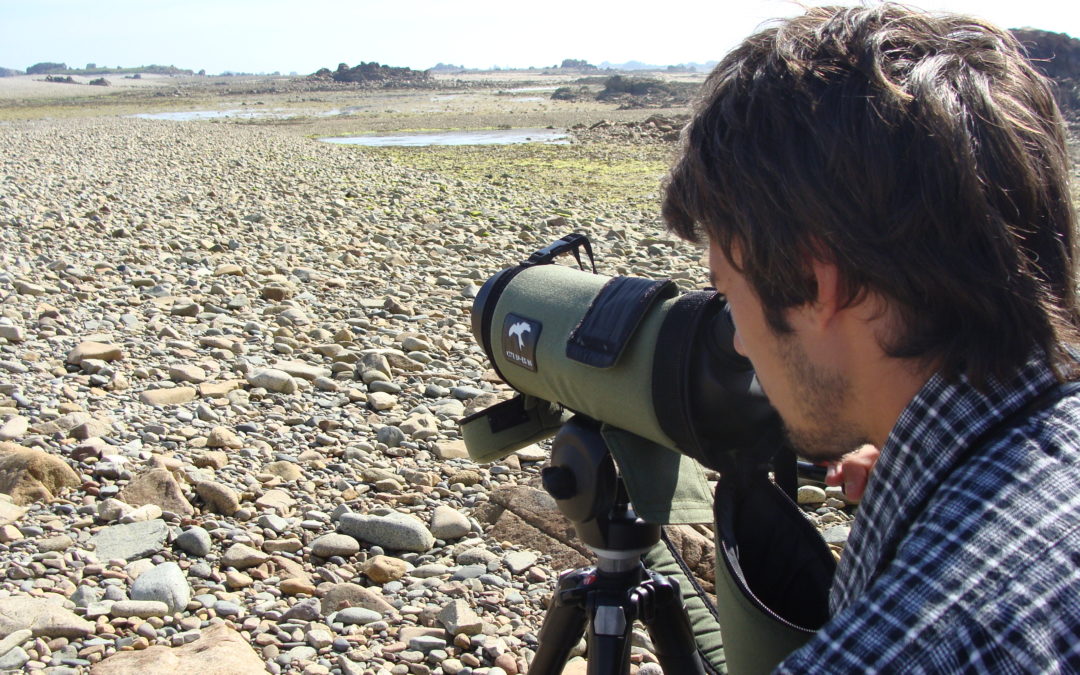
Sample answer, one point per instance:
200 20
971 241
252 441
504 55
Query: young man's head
919 155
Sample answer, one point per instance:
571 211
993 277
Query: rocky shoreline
231 365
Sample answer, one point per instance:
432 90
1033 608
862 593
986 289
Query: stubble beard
821 396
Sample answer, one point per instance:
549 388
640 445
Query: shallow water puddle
487 137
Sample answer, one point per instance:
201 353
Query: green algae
609 173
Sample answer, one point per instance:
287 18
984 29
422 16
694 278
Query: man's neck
882 390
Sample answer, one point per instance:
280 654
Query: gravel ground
232 361
231 365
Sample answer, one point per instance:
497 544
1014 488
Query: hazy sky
277 35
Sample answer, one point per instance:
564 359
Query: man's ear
828 303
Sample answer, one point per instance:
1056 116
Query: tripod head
605 600
587 489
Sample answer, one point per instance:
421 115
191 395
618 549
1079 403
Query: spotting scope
631 352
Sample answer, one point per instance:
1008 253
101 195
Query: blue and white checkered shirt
963 558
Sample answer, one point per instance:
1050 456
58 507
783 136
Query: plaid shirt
963 558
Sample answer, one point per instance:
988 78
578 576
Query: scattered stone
13 659
9 533
228 269
164 583
459 619
276 500
451 450
532 453
288 545
130 541
359 616
519 561
340 596
187 373
396 531
810 494
211 460
297 586
60 542
273 380
12 641
223 437
304 371
837 534
9 512
286 471
169 396
218 389
219 498
448 523
12 333
14 428
335 544
94 350
380 400
31 475
142 609
383 569
242 556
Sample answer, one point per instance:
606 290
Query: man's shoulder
1030 464
1008 518
1041 444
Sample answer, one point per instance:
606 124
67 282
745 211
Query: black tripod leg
564 623
660 608
609 638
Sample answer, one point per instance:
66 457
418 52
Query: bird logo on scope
517 330
520 336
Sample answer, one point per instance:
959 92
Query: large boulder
157 487
42 617
220 650
31 475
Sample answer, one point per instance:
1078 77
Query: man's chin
821 446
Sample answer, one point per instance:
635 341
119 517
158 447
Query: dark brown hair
922 154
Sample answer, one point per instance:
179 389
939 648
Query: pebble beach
232 363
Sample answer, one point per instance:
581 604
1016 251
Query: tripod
607 598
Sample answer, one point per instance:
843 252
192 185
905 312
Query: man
885 197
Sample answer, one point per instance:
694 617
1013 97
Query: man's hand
852 471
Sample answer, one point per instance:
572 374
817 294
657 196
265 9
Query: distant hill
9 72
441 67
638 65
